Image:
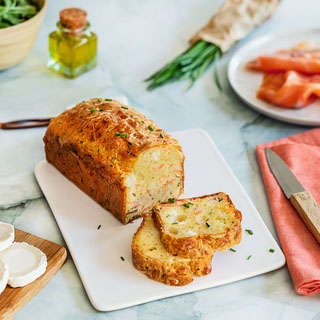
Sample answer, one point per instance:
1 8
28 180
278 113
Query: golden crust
201 244
173 273
202 266
169 273
82 144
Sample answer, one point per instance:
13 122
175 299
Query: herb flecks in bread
198 226
109 151
150 257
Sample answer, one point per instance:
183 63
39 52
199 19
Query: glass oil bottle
73 47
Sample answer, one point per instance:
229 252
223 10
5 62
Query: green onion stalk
190 64
232 22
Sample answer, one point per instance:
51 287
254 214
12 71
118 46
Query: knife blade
301 199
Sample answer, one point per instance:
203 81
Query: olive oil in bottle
73 47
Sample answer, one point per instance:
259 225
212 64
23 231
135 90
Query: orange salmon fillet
289 89
302 60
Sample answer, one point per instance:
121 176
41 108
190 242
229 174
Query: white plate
114 284
246 83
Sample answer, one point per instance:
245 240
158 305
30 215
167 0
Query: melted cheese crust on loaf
116 155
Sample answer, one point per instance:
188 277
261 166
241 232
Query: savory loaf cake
116 155
151 258
196 227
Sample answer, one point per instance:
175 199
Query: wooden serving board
12 299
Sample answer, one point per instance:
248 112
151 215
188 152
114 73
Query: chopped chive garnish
191 203
249 257
233 250
171 200
123 107
122 258
123 135
99 226
161 135
117 133
150 128
186 205
93 109
99 99
207 224
249 231
101 109
220 200
271 250
142 121
83 101
175 223
106 99
94 102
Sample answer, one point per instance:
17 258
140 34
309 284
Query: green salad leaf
13 12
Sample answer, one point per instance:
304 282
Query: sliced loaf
151 258
196 227
112 152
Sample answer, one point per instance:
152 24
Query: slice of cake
196 227
151 258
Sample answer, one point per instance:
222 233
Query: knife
301 199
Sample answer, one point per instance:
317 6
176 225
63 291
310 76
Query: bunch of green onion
190 64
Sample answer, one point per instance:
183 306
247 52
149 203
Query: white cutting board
112 283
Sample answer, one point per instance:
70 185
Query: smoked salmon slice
289 89
297 59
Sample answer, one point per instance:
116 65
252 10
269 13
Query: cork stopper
73 18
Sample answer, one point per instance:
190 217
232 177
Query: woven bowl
16 42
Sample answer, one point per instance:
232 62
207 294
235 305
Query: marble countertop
135 39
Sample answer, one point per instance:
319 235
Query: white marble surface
135 39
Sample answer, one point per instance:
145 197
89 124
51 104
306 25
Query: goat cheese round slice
4 276
6 235
26 263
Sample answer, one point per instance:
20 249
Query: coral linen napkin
301 153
